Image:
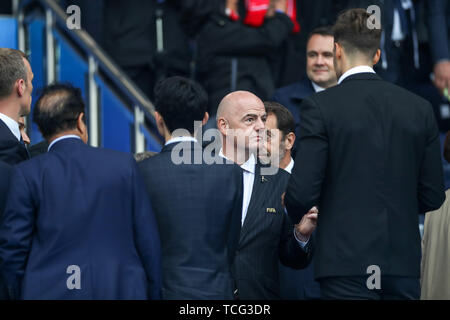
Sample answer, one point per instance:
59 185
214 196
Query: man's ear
160 124
337 50
376 57
21 86
222 125
205 118
82 128
289 140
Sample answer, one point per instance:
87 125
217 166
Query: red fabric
256 12
292 13
257 9
233 15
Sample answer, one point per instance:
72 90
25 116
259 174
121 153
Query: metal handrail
97 60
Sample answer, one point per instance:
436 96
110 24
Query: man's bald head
237 101
240 118
57 109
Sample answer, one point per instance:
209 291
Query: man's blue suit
198 207
5 174
297 284
79 206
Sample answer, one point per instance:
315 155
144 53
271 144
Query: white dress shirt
290 166
249 168
11 124
355 70
316 87
62 138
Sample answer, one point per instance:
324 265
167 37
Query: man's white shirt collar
316 87
249 165
180 139
290 166
355 70
62 138
11 124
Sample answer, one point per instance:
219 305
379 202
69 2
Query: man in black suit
197 205
369 158
267 234
15 101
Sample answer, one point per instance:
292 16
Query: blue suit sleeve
146 235
16 229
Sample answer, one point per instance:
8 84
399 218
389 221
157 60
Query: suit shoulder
299 89
113 154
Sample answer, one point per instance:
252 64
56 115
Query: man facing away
78 223
267 234
369 158
197 205
15 102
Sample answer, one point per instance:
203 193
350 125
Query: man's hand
307 225
442 75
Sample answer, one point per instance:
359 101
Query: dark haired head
285 119
324 31
57 109
180 102
352 32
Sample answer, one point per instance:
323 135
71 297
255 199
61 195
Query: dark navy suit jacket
85 207
198 208
5 174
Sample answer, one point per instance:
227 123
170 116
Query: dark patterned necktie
25 146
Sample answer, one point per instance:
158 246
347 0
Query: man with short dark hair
197 205
369 157
78 223
15 102
319 70
280 127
